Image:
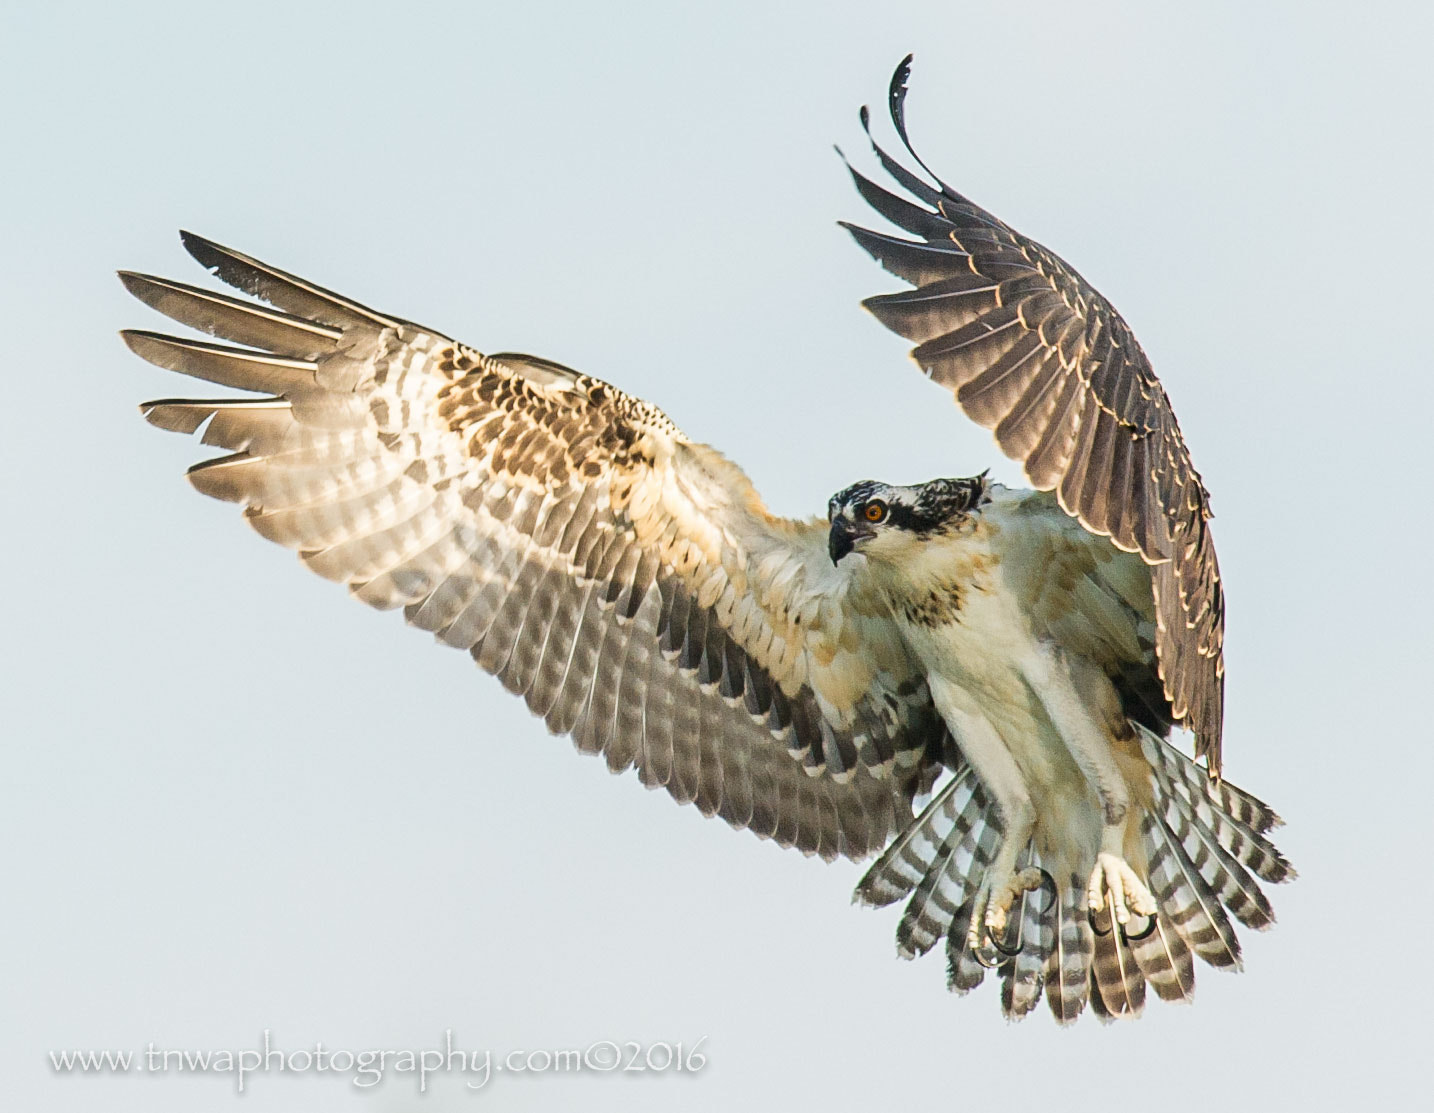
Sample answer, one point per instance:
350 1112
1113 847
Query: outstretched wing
628 583
1033 352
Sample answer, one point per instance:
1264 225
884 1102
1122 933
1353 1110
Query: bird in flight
1020 657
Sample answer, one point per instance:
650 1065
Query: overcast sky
236 801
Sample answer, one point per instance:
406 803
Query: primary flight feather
807 680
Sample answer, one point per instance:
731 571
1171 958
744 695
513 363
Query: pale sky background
235 800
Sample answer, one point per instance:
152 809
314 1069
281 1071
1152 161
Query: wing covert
1031 351
628 583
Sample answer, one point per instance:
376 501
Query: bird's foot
991 909
1116 889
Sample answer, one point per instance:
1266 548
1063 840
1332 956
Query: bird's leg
1083 707
1002 778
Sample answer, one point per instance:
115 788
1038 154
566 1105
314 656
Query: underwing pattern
627 583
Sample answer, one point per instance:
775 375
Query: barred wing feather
626 582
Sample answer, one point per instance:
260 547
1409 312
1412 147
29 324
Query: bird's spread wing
1032 352
626 582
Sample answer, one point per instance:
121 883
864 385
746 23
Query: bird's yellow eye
875 511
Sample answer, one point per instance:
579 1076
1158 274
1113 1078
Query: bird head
882 521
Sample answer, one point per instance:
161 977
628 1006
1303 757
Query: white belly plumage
980 668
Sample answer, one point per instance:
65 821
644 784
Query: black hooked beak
843 538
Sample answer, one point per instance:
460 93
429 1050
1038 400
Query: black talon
1009 952
1004 953
1125 936
1149 929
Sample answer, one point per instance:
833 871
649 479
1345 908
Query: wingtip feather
163 413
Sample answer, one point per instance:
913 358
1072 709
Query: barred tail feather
1238 820
1068 967
1193 910
904 863
929 913
1023 977
1166 961
1223 848
1117 983
952 876
1229 880
963 972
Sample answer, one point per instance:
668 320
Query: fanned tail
1205 851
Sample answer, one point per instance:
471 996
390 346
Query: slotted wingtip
879 306
134 283
173 415
872 242
146 287
139 341
856 175
902 74
855 231
205 252
896 91
865 239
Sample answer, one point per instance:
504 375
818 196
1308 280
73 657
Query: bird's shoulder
1071 586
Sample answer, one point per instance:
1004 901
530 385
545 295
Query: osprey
1022 656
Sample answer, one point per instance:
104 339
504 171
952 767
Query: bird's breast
933 606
